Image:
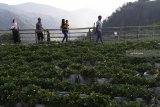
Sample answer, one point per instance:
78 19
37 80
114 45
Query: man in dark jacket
39 30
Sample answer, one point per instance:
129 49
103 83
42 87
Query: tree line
139 13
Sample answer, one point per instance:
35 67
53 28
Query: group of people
64 28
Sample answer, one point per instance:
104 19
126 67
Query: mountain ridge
27 13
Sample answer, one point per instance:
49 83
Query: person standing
15 31
64 30
99 29
39 30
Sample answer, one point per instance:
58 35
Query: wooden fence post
1 39
154 34
138 31
44 35
36 36
120 32
90 35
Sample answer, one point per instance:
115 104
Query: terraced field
80 74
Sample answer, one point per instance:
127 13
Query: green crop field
80 74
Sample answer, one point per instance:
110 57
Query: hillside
7 15
80 74
27 14
140 13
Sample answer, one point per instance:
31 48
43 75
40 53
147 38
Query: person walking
99 29
39 30
64 30
15 31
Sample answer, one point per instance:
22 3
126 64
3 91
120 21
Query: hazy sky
106 7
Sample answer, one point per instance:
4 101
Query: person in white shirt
99 29
15 31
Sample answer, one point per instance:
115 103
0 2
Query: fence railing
88 33
30 36
132 32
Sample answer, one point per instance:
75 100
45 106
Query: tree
143 0
143 12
